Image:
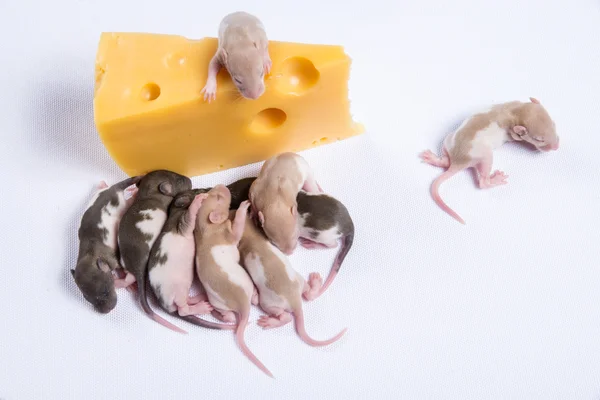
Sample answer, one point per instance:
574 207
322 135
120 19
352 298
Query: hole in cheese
267 120
298 75
323 139
150 91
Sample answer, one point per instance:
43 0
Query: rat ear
294 210
261 218
73 273
518 132
183 201
534 100
166 188
102 265
217 217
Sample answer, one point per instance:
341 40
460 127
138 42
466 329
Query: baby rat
228 286
273 197
141 225
171 262
243 51
472 144
97 233
239 191
280 287
323 221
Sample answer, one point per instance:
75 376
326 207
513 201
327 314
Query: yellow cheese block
150 113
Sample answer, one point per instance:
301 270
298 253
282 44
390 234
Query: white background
506 307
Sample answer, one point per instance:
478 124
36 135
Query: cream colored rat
280 287
243 51
273 197
227 285
472 144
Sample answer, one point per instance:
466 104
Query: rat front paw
210 91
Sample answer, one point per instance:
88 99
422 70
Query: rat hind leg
277 317
192 306
312 287
484 168
311 244
430 158
223 315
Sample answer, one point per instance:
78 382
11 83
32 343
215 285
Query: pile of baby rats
155 228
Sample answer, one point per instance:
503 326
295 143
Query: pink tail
337 264
166 323
299 316
436 195
243 321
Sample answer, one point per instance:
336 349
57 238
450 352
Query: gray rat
141 225
323 221
98 252
243 51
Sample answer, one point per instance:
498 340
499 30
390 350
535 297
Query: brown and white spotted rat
473 143
98 251
141 225
280 287
228 286
171 263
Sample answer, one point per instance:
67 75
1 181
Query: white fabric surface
504 307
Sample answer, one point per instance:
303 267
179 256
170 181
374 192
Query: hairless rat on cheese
97 233
472 144
280 287
171 262
141 225
243 51
273 197
228 286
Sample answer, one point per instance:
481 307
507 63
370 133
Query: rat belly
488 138
174 272
109 221
151 224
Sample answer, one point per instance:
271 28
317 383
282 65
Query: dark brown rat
323 221
98 252
141 225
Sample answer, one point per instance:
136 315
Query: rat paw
267 64
315 282
203 307
309 244
254 299
432 159
210 91
496 179
266 322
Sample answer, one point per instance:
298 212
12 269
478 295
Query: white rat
229 288
280 287
273 197
472 144
243 51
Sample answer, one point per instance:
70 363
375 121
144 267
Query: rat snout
254 93
551 147
105 305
